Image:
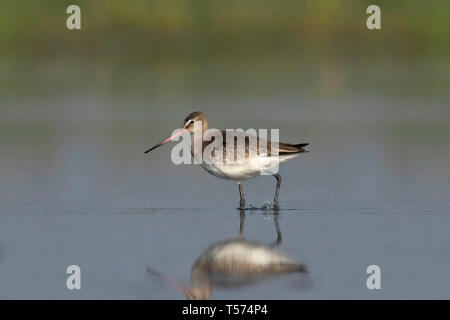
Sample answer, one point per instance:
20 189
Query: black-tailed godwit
258 156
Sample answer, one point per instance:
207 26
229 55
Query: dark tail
287 148
301 146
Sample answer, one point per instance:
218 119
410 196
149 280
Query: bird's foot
275 205
267 206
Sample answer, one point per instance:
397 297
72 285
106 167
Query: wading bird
258 157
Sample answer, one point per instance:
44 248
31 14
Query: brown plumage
262 147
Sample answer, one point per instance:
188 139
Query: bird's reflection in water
237 262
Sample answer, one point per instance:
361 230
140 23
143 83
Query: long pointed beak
178 133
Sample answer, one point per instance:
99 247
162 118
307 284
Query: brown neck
197 144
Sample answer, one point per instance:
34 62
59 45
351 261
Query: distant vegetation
185 48
143 31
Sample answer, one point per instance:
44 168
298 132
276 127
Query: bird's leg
241 226
241 194
277 191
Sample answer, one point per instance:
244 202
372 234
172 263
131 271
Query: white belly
238 172
244 171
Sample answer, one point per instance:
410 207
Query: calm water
114 247
76 188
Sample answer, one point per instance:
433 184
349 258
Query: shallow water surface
114 248
77 188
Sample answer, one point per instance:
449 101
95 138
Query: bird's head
192 119
195 120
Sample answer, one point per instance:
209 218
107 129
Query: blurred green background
173 47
